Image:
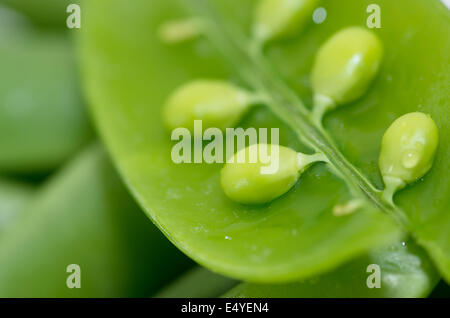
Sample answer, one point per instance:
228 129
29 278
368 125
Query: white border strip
446 2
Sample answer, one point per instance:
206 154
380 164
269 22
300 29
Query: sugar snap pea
297 235
42 118
84 216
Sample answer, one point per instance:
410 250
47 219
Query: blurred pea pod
42 119
49 13
404 271
197 283
13 197
84 216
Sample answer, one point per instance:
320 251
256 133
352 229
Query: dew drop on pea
408 148
243 180
216 103
346 65
278 18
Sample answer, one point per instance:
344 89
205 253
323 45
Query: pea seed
407 150
344 68
244 180
277 18
176 31
217 103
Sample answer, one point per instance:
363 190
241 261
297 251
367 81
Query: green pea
277 18
261 173
217 103
407 150
176 31
344 67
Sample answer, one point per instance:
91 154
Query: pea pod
297 235
405 271
197 283
260 173
42 119
95 225
14 196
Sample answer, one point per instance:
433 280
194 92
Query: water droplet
319 15
228 238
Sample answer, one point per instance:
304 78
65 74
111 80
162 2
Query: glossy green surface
408 147
405 271
297 235
85 216
259 173
42 118
346 64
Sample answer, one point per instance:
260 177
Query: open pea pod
13 198
401 270
410 80
84 216
129 74
42 118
